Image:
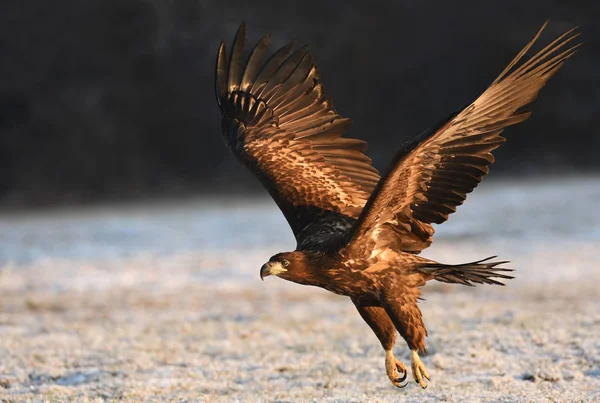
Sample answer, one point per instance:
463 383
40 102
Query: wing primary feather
270 67
547 51
556 61
521 54
292 87
254 62
235 60
221 73
284 71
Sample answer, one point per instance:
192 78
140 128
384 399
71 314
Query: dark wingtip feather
235 60
254 62
541 57
221 73
520 55
270 67
283 72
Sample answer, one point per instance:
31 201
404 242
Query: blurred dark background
114 99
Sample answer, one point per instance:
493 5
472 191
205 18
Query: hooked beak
271 269
265 271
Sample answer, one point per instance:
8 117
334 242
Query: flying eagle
359 234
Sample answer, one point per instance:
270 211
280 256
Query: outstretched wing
278 122
432 175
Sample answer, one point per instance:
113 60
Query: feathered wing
433 174
278 122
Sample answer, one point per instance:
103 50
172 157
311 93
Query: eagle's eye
285 263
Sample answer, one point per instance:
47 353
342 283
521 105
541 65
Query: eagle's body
359 234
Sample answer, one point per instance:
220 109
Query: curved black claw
403 372
423 385
400 385
404 376
396 370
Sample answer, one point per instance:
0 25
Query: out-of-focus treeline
102 99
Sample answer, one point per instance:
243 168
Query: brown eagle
359 234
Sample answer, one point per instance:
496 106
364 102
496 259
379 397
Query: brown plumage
357 234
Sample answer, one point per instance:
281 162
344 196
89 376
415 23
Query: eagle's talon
418 370
393 368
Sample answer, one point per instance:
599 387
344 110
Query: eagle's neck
312 269
327 272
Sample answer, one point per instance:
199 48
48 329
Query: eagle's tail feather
479 272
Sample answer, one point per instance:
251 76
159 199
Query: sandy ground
164 303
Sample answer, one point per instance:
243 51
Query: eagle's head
298 266
281 265
302 267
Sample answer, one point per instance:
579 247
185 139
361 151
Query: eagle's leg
384 329
404 312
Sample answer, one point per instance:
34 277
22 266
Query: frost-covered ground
163 302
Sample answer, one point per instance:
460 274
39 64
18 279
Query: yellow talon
393 367
418 370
